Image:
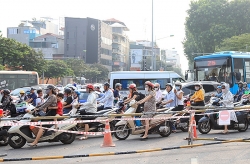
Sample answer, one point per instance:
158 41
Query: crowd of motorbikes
18 135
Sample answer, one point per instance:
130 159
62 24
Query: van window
209 88
178 79
140 82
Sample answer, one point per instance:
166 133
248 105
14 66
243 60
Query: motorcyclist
227 100
32 97
217 96
51 102
118 87
89 107
98 91
107 98
22 96
179 97
158 94
132 93
169 99
246 95
67 104
6 100
240 92
76 95
198 97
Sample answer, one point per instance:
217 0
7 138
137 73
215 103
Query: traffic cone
188 104
107 141
194 129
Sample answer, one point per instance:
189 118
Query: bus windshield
213 70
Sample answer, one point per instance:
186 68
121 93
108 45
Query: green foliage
1 67
209 22
102 69
235 43
56 69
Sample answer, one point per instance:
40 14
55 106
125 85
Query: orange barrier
107 141
194 129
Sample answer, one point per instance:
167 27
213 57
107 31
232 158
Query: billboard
136 57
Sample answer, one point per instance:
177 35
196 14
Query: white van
140 77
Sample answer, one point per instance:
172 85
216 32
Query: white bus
17 79
140 77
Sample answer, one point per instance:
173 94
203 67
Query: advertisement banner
136 57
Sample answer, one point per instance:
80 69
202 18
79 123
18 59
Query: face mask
244 86
177 87
47 92
157 89
197 88
223 90
146 90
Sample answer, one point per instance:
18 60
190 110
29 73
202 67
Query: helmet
219 87
118 85
197 84
51 87
178 83
149 84
106 84
73 88
90 86
244 83
67 90
22 92
132 86
169 84
6 91
240 82
77 93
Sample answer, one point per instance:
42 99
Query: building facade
120 45
88 39
51 45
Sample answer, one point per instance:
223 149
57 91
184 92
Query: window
178 79
13 31
238 70
208 88
247 67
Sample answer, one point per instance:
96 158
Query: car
210 88
16 92
83 96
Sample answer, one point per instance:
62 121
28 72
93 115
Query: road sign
224 117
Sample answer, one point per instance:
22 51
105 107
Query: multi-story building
51 45
28 30
171 57
88 39
120 45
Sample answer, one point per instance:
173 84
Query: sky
169 16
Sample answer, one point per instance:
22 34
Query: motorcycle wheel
185 129
70 137
121 132
204 127
16 141
245 127
165 133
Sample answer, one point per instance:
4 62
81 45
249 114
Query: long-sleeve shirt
198 95
90 105
107 99
50 102
158 95
228 99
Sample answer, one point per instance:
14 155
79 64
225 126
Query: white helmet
178 83
197 84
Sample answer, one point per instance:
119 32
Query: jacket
90 105
199 95
50 102
228 98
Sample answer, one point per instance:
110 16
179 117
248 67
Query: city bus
140 77
17 79
227 66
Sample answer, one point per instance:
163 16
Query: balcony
116 41
116 51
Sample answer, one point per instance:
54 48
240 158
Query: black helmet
6 91
67 90
106 84
51 87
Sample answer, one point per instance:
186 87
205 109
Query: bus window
247 67
162 82
178 79
238 70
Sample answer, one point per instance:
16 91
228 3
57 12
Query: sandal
225 132
83 138
32 145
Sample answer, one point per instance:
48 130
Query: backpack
140 96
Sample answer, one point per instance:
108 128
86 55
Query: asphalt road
212 154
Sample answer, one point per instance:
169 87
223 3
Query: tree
103 71
235 43
77 65
209 22
92 74
56 69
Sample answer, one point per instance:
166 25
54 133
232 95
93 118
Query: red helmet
132 86
149 84
90 86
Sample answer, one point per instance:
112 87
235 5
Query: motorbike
124 128
20 134
211 121
182 123
4 133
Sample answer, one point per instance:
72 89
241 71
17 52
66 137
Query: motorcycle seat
102 112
